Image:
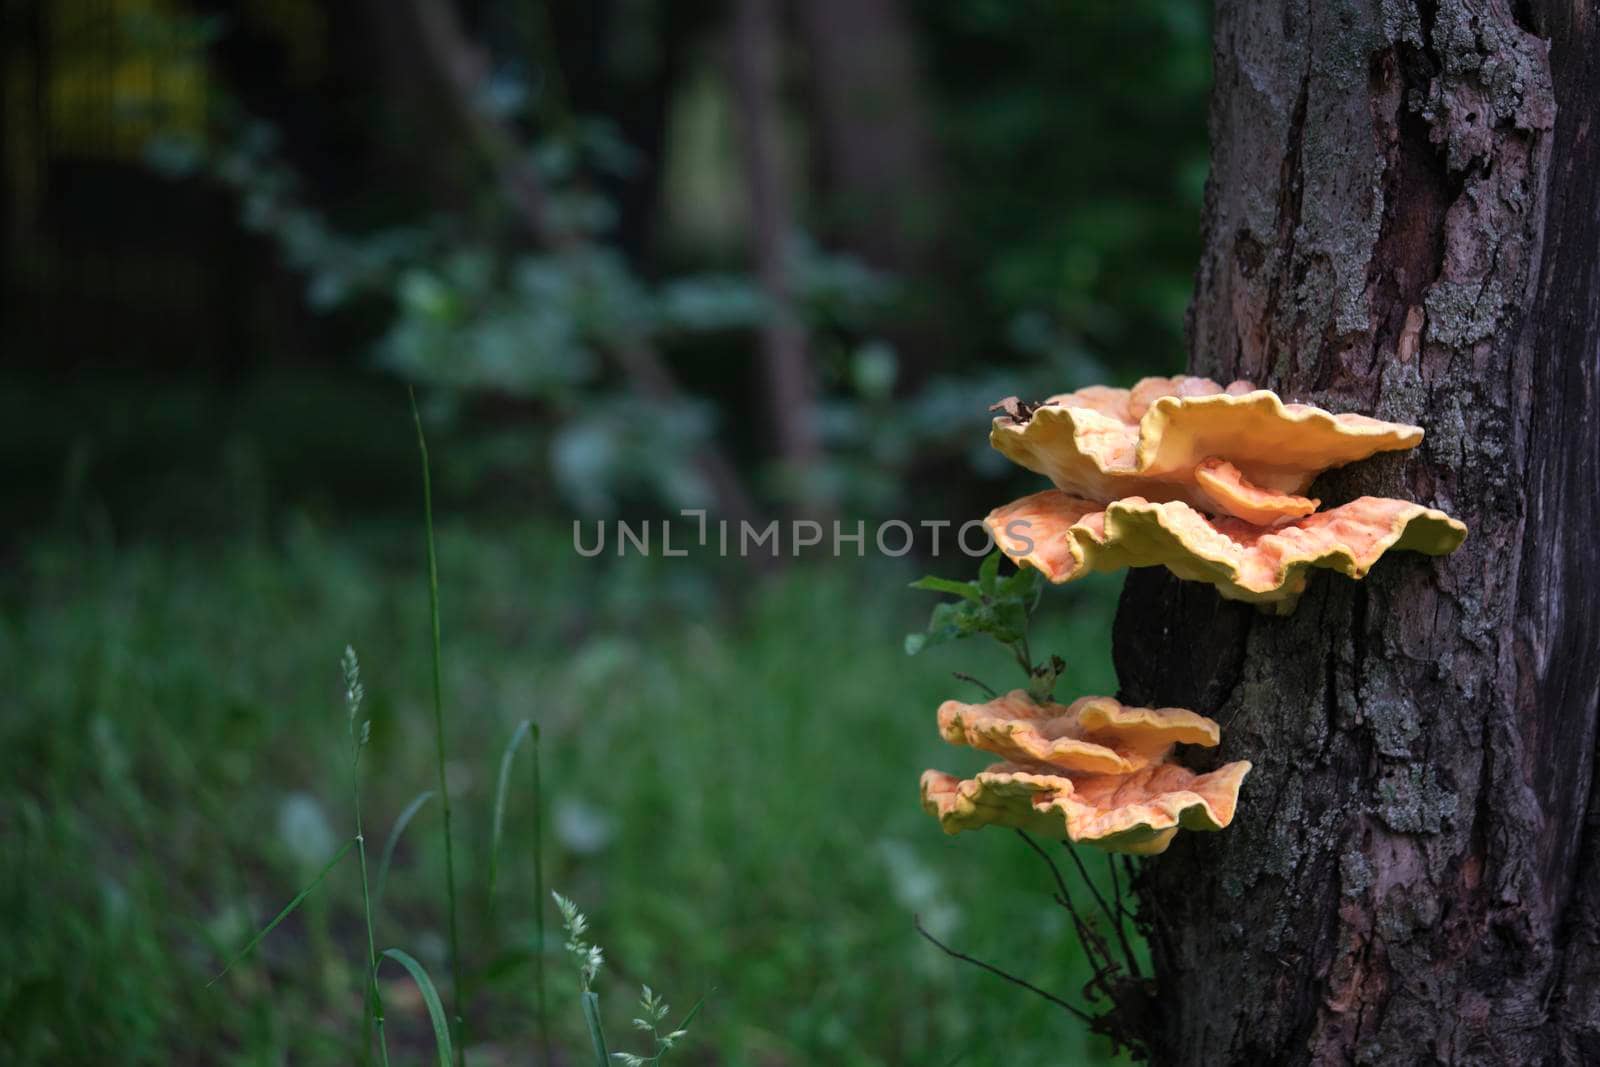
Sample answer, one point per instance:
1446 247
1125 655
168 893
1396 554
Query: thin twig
1024 656
997 972
1061 883
1094 946
1093 943
1121 909
1116 886
1130 873
1116 919
962 676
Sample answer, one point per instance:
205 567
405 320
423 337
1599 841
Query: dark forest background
772 259
225 223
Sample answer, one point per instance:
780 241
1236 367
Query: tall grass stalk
526 730
360 733
540 903
438 730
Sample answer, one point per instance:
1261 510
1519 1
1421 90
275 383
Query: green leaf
1008 621
988 573
284 914
993 606
1024 583
934 584
430 997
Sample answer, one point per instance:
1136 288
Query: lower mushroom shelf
1094 772
1137 813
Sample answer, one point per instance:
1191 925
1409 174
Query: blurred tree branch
461 67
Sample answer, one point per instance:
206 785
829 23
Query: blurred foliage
471 318
169 765
1074 137
1077 134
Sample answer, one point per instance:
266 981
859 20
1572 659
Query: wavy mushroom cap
1104 444
1093 735
1138 813
1066 537
1232 494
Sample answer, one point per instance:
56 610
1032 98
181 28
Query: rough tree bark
1403 219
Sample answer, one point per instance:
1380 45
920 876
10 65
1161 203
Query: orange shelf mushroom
1237 451
1095 772
1066 537
1095 735
1209 482
1230 493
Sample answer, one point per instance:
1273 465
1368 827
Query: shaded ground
730 779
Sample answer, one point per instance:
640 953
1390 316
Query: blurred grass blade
684 1025
284 914
457 988
525 729
395 831
687 1019
540 902
597 1033
500 789
430 996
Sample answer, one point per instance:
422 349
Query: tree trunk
876 150
757 81
877 166
1404 220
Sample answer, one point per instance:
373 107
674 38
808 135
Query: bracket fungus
1258 453
1095 735
1066 537
1094 772
1207 481
1230 493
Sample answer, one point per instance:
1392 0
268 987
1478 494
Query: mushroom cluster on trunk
1209 482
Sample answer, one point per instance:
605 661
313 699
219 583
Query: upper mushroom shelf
1236 451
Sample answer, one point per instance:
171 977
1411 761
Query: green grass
730 771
